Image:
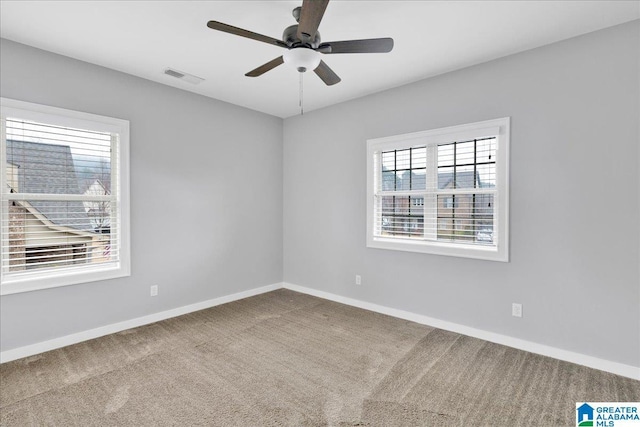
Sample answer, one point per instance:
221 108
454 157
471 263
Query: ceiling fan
303 43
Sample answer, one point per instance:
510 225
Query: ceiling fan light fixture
302 58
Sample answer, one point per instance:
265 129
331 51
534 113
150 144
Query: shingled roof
48 168
464 179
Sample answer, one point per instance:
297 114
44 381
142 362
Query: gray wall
575 224
206 196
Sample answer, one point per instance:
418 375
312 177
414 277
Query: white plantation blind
61 206
451 200
441 189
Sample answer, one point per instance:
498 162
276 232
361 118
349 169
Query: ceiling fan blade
310 17
358 46
265 67
326 74
215 25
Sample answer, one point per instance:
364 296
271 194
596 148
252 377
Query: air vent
172 73
189 78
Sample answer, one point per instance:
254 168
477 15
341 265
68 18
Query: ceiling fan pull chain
301 94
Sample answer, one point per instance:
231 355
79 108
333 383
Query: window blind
60 198
440 192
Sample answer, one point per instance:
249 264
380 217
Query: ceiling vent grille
189 78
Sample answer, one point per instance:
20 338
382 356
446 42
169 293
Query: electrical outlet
154 291
358 279
516 310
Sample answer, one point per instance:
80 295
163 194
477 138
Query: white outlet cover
516 310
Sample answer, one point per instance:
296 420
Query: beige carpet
288 359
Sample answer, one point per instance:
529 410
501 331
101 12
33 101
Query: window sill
488 253
34 281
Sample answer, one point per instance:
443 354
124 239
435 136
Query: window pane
445 155
464 177
466 218
402 159
404 170
402 180
66 237
484 206
60 161
486 150
418 180
445 177
388 180
389 160
419 158
50 159
402 216
464 153
468 164
487 175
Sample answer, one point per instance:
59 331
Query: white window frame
36 280
500 128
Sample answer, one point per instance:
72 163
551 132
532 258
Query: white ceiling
431 37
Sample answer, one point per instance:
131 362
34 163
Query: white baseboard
41 347
568 356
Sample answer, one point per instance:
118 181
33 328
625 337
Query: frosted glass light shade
302 58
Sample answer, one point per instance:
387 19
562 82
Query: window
448 202
64 197
442 191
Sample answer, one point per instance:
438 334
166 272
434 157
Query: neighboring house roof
47 168
464 179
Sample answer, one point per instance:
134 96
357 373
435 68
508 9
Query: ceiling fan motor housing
290 37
